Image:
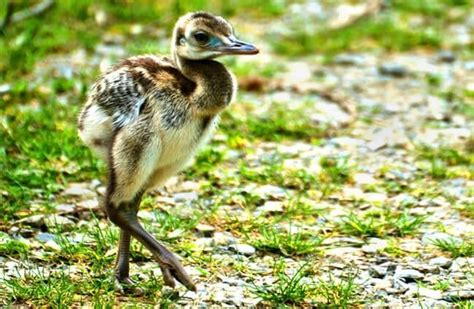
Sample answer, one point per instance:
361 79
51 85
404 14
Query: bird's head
201 35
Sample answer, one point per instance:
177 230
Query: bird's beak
237 47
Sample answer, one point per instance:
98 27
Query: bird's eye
201 37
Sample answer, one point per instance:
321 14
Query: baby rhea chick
147 116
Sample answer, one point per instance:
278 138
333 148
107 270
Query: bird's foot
172 270
127 286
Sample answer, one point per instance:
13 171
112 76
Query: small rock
244 249
424 292
89 204
65 207
4 88
408 275
364 179
101 190
205 229
185 197
224 238
203 243
375 245
270 207
344 251
176 233
446 56
393 70
58 221
460 295
441 262
381 284
78 190
374 197
270 191
460 264
45 237
349 59
377 271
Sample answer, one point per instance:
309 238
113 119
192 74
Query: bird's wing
119 96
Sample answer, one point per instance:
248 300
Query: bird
146 117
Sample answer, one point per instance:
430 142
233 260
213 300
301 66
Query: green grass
382 31
464 248
12 247
445 162
338 293
279 123
381 224
285 242
40 151
70 24
297 290
287 290
336 170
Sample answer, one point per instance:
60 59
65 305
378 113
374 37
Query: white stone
364 179
440 261
243 249
78 190
424 292
270 207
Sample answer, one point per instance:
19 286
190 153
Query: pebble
377 271
425 292
267 191
269 207
89 204
344 251
393 70
45 237
441 262
203 243
78 190
224 238
375 245
446 56
460 295
408 275
205 229
62 222
244 249
460 264
349 59
184 197
363 179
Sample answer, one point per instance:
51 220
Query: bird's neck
214 84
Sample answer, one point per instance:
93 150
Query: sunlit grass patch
288 289
381 224
336 169
381 31
444 162
456 248
40 151
341 293
291 243
12 247
277 123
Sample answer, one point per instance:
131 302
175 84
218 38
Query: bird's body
147 116
145 105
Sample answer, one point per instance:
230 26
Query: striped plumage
146 117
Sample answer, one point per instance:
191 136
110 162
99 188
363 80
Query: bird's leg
122 263
124 215
122 269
